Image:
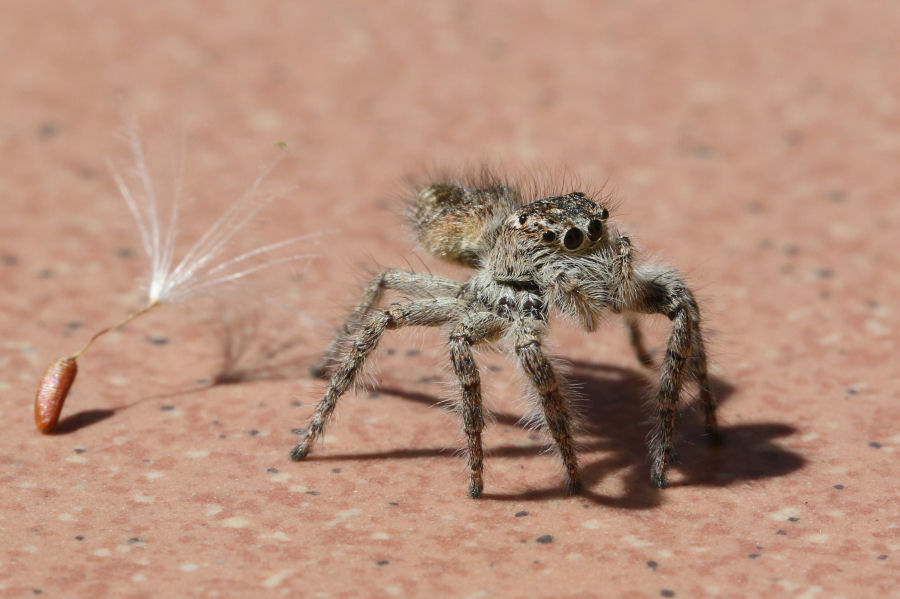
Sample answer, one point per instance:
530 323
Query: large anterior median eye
595 230
573 238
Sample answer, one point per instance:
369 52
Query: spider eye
523 218
604 213
573 238
577 194
595 230
549 236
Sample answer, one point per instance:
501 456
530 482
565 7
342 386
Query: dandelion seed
203 268
52 393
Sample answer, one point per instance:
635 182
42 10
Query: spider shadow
613 439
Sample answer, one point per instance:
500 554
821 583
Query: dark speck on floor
753 555
836 195
167 408
391 351
298 431
10 260
666 593
79 450
790 249
158 340
882 556
413 352
852 390
79 537
824 273
254 432
45 273
545 539
382 562
652 565
37 591
494 368
124 252
521 514
838 487
793 519
780 532
272 470
74 324
336 470
374 395
47 130
534 437
312 492
875 444
136 541
394 503
297 403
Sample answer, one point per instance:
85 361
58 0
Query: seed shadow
613 443
79 420
247 355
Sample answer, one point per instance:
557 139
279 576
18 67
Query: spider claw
299 452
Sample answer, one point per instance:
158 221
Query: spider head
548 230
570 224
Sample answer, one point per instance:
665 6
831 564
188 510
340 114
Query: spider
557 253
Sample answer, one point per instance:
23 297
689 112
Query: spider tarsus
659 480
475 489
300 451
574 487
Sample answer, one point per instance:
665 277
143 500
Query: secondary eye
604 213
573 238
549 236
522 219
595 230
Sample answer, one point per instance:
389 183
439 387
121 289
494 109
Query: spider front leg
624 271
664 293
433 312
476 328
554 404
414 284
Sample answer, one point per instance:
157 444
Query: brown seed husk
52 393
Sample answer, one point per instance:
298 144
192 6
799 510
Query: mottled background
753 145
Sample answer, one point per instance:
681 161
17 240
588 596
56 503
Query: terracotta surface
753 145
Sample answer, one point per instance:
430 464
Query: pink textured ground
754 145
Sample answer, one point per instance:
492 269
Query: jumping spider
556 253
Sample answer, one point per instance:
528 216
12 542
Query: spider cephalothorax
554 253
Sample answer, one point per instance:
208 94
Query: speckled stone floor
753 145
